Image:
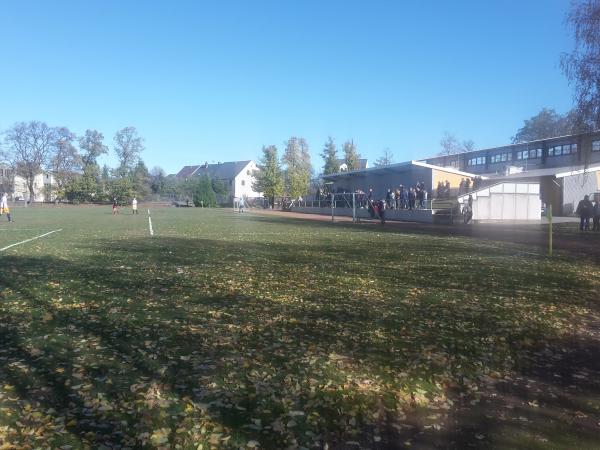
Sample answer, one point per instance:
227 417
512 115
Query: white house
238 176
16 186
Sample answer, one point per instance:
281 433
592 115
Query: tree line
292 175
32 148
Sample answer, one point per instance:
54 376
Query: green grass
227 331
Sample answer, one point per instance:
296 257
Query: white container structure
506 201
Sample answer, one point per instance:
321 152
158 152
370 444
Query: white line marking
150 226
29 240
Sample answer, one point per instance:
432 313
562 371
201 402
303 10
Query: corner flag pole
549 214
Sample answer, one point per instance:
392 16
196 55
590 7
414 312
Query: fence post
549 214
354 207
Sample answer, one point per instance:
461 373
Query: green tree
203 192
92 146
545 124
128 146
122 189
298 167
90 186
329 155
268 179
65 163
157 180
582 65
140 180
351 155
221 190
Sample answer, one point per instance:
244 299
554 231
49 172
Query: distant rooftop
225 170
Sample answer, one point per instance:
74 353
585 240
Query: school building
558 170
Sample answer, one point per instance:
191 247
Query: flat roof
558 172
517 144
398 167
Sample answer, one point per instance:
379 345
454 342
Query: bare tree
128 147
385 159
30 148
450 145
582 65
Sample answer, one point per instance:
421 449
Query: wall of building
583 155
21 191
575 187
507 201
244 180
381 181
440 175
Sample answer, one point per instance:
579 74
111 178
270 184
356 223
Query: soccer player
4 207
134 205
115 206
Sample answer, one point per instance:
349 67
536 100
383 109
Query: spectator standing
411 198
585 212
597 215
134 205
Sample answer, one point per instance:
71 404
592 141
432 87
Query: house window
243 182
248 172
596 146
539 153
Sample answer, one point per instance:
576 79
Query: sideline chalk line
29 240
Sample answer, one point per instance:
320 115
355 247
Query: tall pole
332 204
354 207
549 214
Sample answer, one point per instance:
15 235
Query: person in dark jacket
597 215
584 211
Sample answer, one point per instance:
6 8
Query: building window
596 146
243 182
503 157
555 151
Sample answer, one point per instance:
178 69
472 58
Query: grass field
226 331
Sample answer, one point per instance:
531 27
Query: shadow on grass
176 341
579 245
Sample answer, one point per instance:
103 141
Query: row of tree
31 148
292 174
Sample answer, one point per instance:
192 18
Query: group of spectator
587 210
413 197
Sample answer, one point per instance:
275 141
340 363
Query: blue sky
215 81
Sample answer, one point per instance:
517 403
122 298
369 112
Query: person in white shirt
134 205
4 207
